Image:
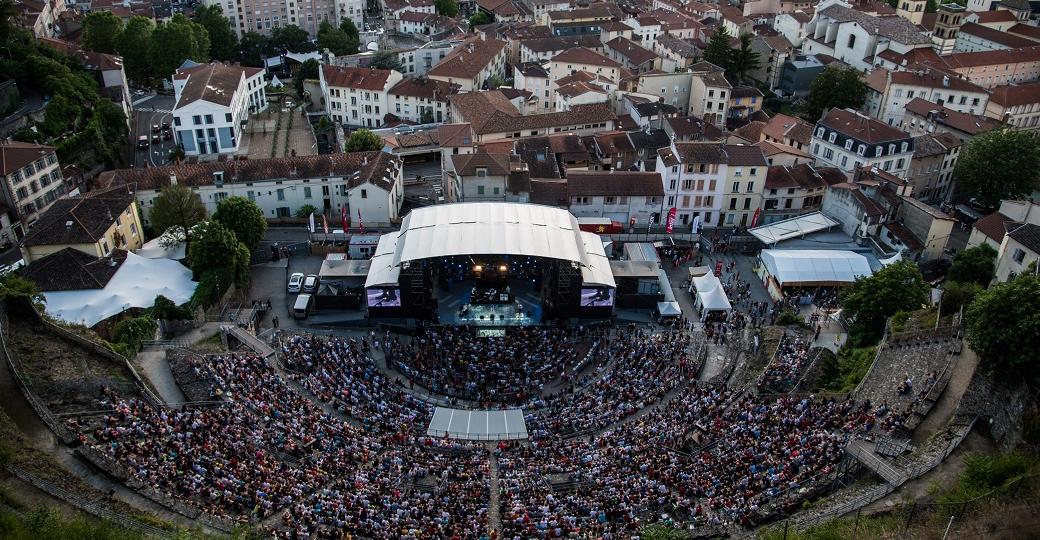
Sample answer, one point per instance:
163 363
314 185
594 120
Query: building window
852 41
480 190
307 192
736 187
281 194
1019 255
364 193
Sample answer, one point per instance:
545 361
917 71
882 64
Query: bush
789 318
134 331
842 372
165 309
984 473
212 285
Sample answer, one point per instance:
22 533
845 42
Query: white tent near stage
710 294
136 284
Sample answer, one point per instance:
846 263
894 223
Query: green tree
135 331
306 210
244 218
448 8
743 60
1004 328
254 48
931 6
336 40
363 140
835 88
999 165
8 13
350 29
175 41
13 285
215 250
165 309
974 265
956 295
718 50
480 18
223 44
133 44
308 70
870 301
100 29
292 38
385 60
176 205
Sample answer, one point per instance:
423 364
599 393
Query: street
148 112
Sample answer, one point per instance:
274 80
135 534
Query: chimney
173 179
365 161
946 80
68 224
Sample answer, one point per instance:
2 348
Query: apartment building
212 103
889 92
472 64
95 223
534 78
624 196
493 117
421 100
848 140
265 16
578 59
365 183
791 191
357 96
931 169
32 182
990 69
709 93
694 176
1017 105
745 180
855 37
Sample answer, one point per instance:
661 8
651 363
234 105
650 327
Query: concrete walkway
494 493
153 366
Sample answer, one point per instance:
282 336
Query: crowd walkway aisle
494 492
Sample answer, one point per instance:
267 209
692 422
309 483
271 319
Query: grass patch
790 318
843 371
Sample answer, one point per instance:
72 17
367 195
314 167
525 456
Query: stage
523 309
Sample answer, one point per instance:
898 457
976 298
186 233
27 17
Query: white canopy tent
135 285
175 248
711 296
813 267
669 309
792 228
493 425
486 228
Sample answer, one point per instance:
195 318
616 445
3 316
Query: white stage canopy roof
814 267
177 250
136 284
792 228
710 294
487 228
494 425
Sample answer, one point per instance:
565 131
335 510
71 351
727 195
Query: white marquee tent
710 294
136 284
814 267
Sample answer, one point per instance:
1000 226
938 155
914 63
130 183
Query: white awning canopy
792 228
493 425
669 309
487 228
135 285
711 296
811 267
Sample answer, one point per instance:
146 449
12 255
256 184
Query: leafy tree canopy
363 140
718 51
385 60
308 70
177 206
254 48
835 88
223 43
133 44
100 29
743 60
214 249
336 40
292 38
974 265
244 218
175 41
999 165
870 301
480 18
448 8
1003 327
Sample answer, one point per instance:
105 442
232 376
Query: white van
302 307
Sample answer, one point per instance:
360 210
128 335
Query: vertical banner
670 220
754 218
310 223
325 224
344 218
360 222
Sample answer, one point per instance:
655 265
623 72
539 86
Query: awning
811 267
493 425
792 228
669 309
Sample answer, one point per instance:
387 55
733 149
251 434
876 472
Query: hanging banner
310 223
325 223
344 218
670 220
754 218
360 222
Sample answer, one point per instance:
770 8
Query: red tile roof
16 154
991 58
355 77
861 128
581 55
468 59
1016 94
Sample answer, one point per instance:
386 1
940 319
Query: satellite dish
372 47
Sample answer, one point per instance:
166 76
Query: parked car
310 284
155 128
167 135
142 142
156 139
295 282
166 126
